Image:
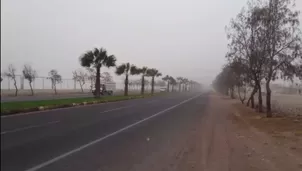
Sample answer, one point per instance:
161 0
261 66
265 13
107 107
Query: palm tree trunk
143 85
97 81
152 85
126 86
179 87
168 86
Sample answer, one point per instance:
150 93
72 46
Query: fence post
8 83
43 83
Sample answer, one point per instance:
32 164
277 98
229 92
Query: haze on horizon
178 37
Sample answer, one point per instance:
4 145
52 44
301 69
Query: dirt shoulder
230 136
272 143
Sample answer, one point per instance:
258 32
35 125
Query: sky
178 37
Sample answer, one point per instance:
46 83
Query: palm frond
134 70
153 72
120 69
110 61
87 59
166 78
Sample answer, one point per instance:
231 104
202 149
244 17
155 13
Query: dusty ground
231 137
285 104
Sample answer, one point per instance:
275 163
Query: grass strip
8 108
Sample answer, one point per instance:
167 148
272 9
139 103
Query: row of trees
93 61
265 44
30 74
97 58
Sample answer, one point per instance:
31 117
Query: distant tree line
265 44
93 61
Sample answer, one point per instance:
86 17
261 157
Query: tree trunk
81 85
268 100
260 103
152 85
143 85
16 88
31 89
168 87
232 92
126 86
179 87
239 94
97 82
55 88
252 102
251 98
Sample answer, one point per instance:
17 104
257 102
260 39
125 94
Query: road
115 136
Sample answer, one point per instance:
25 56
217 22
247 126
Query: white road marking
29 127
105 137
119 108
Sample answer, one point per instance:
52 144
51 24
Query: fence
42 83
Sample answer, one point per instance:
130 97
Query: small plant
30 74
11 73
55 78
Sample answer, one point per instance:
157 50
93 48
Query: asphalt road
112 137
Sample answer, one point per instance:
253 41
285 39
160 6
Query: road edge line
53 160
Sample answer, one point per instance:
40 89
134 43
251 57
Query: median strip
8 108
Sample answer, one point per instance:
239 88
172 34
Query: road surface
112 137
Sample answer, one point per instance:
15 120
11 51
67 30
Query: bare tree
30 74
55 78
11 73
80 77
106 77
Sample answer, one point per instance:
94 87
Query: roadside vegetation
265 44
93 61
29 106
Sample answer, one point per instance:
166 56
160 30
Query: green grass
27 106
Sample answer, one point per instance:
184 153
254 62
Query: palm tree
172 82
185 84
167 79
153 73
126 69
97 58
180 81
143 71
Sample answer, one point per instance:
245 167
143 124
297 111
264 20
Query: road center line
29 127
105 137
119 108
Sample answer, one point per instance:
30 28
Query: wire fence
42 83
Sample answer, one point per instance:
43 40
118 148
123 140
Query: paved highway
116 136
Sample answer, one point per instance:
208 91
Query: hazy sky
178 37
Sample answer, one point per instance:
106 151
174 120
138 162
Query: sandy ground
232 137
